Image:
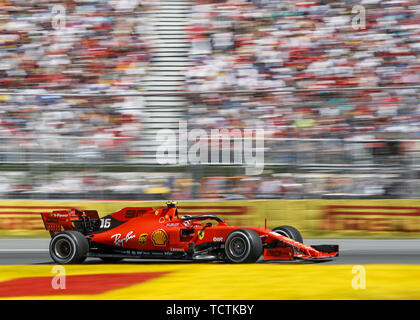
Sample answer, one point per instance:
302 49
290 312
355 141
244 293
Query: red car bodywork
144 232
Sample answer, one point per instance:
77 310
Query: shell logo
159 237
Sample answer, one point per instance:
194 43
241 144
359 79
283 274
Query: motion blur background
86 86
81 103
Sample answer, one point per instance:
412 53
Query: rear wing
61 220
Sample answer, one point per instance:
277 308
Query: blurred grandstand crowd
235 45
305 45
103 48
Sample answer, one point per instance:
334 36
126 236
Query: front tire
290 232
69 247
243 246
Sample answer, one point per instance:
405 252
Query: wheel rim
63 248
283 233
237 247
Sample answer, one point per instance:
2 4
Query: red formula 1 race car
144 232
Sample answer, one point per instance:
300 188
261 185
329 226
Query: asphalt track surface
352 251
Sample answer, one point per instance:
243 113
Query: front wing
289 249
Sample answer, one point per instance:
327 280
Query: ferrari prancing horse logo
143 238
200 234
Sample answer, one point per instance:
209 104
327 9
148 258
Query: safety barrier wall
314 218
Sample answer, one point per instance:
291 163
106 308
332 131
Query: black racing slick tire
290 232
69 247
243 246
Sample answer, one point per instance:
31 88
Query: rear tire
290 232
69 247
243 246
